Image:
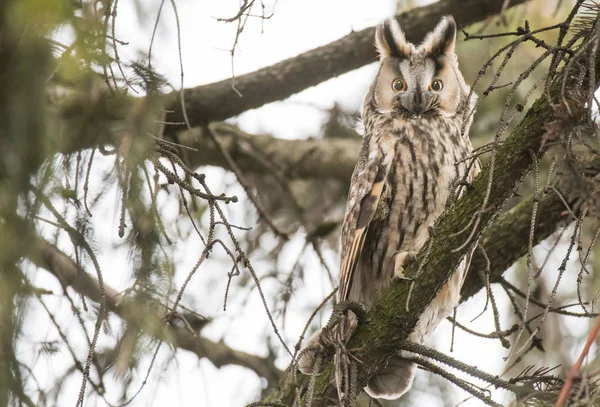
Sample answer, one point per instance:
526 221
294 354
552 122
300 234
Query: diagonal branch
505 240
219 101
153 322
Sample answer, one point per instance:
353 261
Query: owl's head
418 80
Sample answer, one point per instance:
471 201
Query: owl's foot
349 327
324 338
308 354
402 260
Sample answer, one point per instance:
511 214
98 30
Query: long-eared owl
415 149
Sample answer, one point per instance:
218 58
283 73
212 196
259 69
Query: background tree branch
507 237
302 158
151 318
219 101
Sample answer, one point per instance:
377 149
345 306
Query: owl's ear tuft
442 39
390 40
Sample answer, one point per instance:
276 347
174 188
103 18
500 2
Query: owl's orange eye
398 85
436 85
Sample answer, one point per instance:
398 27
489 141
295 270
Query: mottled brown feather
367 193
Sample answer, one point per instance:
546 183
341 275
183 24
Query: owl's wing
366 187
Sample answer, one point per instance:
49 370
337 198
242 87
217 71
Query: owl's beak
418 104
417 110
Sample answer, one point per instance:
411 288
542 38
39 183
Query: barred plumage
414 194
415 149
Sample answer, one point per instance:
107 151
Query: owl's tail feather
393 380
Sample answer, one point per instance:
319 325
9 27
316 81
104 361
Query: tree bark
296 159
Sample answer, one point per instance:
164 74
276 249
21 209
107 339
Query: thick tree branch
219 101
505 240
304 158
87 120
150 319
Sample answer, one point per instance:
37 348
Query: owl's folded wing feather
366 187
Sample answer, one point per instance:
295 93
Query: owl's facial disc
415 86
423 80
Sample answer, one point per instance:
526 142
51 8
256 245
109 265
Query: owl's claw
350 327
323 338
403 259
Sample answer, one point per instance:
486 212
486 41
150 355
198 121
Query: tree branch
50 258
505 241
219 101
304 158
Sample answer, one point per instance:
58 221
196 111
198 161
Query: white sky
296 26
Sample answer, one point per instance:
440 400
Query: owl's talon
325 337
351 325
403 259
